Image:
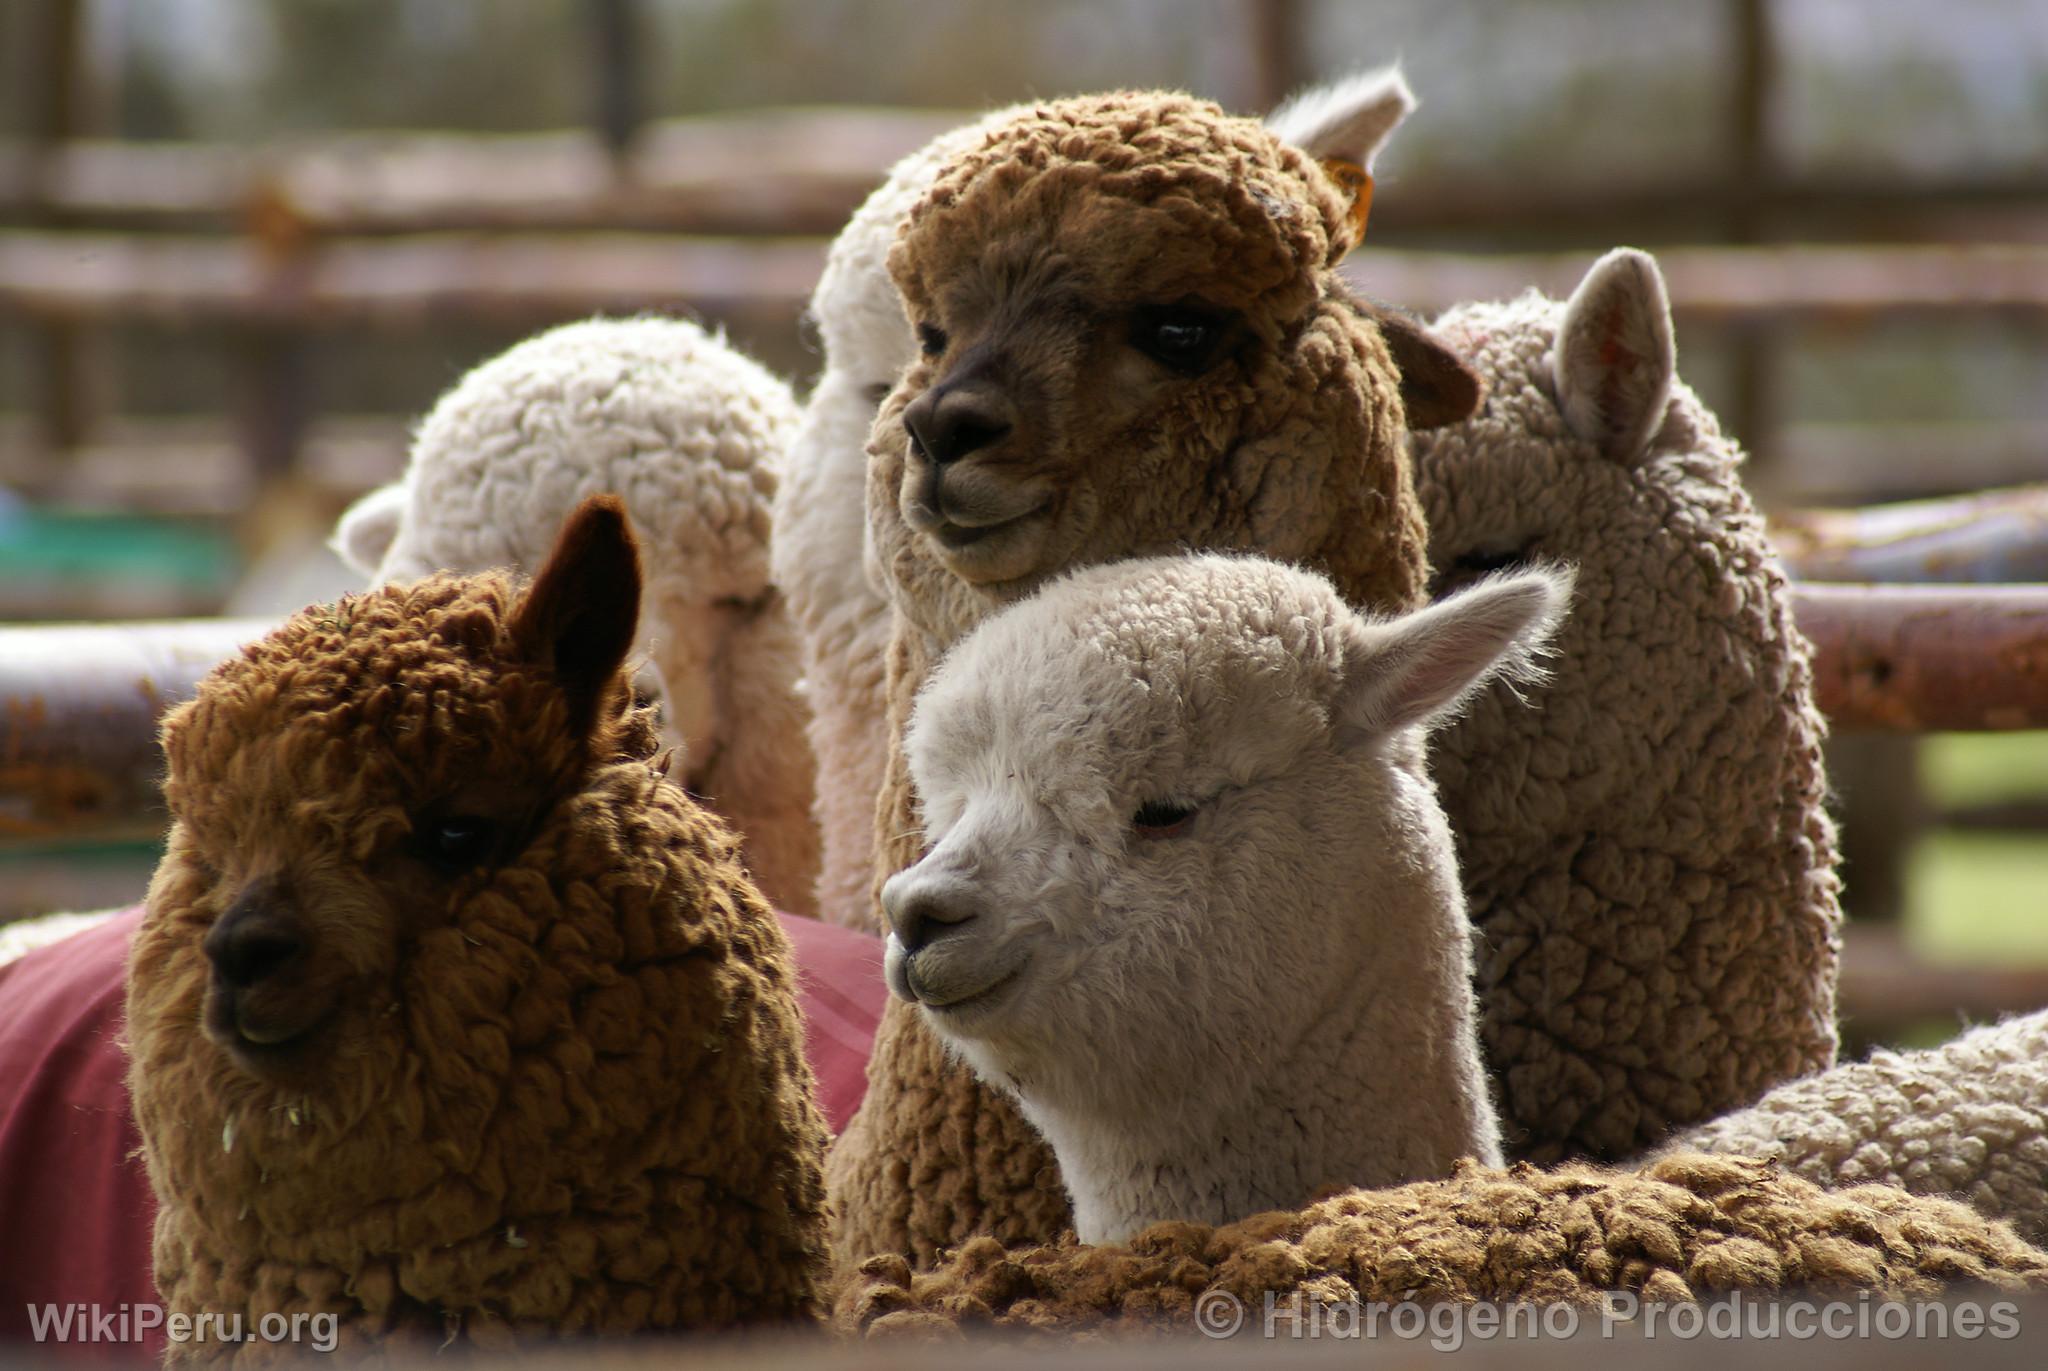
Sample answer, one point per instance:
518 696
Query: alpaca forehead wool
1163 661
1197 199
311 714
683 427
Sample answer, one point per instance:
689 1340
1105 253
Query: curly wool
1647 856
690 434
1303 458
817 557
1154 196
1685 1228
1967 1119
573 1096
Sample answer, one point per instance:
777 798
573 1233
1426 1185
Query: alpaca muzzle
941 953
261 999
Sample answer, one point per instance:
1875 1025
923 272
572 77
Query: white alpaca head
1178 810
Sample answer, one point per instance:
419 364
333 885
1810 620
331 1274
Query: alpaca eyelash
1162 819
1469 566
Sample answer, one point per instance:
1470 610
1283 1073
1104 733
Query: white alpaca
820 523
820 528
689 433
1191 897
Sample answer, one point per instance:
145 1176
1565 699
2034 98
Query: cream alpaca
1190 896
689 433
1968 1118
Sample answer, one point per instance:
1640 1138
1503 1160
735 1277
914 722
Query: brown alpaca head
447 1007
1135 340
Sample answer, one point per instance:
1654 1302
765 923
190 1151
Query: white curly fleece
690 434
821 525
1969 1119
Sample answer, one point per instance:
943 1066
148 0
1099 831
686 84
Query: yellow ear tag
1357 183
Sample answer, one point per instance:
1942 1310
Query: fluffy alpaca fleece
689 433
449 1014
1220 390
1968 1118
1647 857
842 616
1685 1228
1189 895
817 557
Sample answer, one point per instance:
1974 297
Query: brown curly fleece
553 1086
1293 444
1647 852
1684 1228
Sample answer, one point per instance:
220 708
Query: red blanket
75 1205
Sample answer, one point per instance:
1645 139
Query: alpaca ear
1349 119
368 528
580 614
1615 359
1418 669
1438 387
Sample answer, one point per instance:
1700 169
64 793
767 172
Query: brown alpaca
450 1016
1134 342
1685 1228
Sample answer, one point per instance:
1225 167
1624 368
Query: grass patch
1979 897
1985 768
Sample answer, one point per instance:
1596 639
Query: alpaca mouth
258 1034
947 527
972 1002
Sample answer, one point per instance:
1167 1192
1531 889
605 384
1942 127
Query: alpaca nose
950 421
921 911
256 939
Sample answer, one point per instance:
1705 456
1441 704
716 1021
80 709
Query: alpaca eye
459 842
1480 563
1177 337
1468 567
1159 819
931 339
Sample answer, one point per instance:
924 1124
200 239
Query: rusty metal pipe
1928 659
79 704
1993 536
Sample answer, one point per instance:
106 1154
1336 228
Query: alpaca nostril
948 425
919 919
248 947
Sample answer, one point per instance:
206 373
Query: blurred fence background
244 243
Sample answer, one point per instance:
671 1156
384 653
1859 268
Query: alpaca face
1099 818
342 797
1176 806
1126 340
